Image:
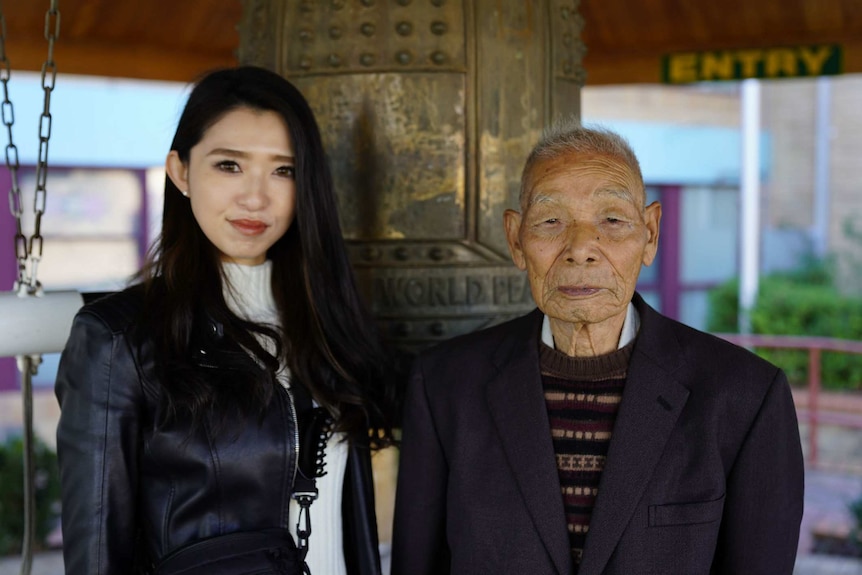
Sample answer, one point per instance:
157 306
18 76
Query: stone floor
826 565
827 494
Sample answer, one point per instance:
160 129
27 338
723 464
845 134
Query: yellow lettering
716 66
780 63
749 59
682 68
814 58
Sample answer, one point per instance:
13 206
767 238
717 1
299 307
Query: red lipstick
249 227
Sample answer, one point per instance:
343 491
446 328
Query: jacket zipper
292 405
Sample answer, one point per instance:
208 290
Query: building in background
688 140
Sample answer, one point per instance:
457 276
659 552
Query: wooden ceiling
178 39
626 38
151 39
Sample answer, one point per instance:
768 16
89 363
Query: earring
184 193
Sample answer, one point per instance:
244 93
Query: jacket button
216 330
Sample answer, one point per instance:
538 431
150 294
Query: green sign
793 62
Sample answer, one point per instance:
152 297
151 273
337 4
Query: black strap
315 428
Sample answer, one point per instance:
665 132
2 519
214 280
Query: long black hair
326 335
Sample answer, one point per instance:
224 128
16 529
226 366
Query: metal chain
30 251
29 286
8 112
49 69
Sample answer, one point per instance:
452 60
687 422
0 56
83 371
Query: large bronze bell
428 110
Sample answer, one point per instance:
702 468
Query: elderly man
594 435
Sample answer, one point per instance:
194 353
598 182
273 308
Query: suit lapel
652 402
517 406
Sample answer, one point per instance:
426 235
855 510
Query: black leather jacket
132 492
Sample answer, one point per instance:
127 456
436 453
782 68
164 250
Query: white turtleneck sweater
250 297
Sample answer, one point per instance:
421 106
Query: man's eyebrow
542 199
620 193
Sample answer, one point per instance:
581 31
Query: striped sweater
582 395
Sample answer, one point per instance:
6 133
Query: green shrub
802 303
47 482
723 316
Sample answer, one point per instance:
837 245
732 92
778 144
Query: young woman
198 405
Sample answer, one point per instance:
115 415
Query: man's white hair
567 136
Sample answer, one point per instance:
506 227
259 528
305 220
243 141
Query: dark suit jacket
704 472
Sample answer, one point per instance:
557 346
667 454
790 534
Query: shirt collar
631 325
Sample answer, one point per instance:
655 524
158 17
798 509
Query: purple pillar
671 286
8 272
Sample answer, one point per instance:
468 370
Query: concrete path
827 494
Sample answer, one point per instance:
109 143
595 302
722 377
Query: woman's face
240 182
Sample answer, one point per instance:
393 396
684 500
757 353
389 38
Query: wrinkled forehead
613 173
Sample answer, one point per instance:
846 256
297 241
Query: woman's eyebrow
239 154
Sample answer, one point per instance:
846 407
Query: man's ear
512 223
178 172
652 218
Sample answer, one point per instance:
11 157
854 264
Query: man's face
582 236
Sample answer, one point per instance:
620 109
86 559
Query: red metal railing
815 346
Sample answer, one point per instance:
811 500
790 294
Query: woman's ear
178 172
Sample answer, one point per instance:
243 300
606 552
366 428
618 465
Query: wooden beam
116 60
